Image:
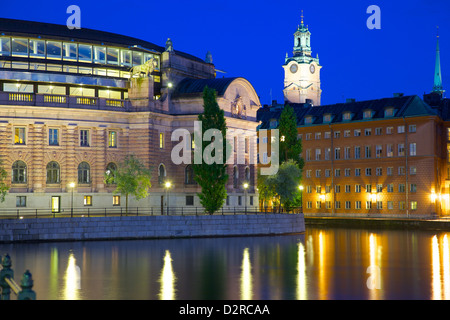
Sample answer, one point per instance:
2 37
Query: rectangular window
367 132
357 204
317 135
70 51
88 200
379 171
347 153
401 205
84 53
357 172
369 204
390 205
125 58
412 170
357 132
327 135
379 188
401 129
37 48
337 153
368 188
116 200
401 171
413 205
347 172
318 153
239 200
413 187
367 152
318 173
348 188
318 204
308 173
348 205
100 55
390 150
389 171
412 128
337 134
309 205
327 189
327 204
19 135
390 187
112 139
19 47
357 152
378 131
84 138
368 172
54 50
112 56
357 188
5 46
189 200
161 140
379 205
401 187
318 189
412 149
327 153
327 173
21 201
346 133
337 188
309 189
337 172
401 149
378 151
53 137
308 155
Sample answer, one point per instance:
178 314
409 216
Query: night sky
250 38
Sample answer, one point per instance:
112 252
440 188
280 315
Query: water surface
320 264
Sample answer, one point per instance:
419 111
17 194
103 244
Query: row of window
358 205
401 171
346 152
368 188
20 137
53 171
358 132
72 51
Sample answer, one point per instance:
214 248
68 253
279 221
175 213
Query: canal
322 263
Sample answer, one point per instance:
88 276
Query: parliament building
72 107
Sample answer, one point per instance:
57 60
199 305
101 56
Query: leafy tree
131 178
3 187
290 145
212 175
285 183
266 190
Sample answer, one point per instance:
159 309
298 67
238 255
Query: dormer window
367 114
326 118
389 112
347 116
308 119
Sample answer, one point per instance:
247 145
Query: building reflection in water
246 277
440 278
72 279
167 279
374 282
301 273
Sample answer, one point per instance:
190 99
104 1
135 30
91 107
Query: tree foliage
131 178
212 177
3 187
285 183
290 145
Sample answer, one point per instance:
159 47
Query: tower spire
302 18
437 86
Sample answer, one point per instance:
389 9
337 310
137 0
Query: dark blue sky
251 38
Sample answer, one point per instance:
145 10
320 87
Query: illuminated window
390 205
54 50
412 149
413 205
116 200
379 205
357 204
112 139
348 205
37 48
19 47
367 114
100 55
161 140
19 135
5 46
70 51
84 53
88 200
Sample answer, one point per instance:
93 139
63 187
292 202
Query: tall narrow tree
290 145
211 173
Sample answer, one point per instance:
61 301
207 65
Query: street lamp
72 186
300 187
245 195
167 185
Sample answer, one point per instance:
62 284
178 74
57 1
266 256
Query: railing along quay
23 213
23 291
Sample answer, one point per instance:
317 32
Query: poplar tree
290 145
211 177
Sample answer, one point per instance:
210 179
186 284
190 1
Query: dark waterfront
320 264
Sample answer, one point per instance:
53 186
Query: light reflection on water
320 264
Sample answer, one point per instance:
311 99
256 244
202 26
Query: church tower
302 71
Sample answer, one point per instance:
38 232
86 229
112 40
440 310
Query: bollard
26 284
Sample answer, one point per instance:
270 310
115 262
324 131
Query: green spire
437 87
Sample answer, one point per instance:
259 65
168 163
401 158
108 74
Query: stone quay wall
148 227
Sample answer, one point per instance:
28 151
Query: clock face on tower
293 68
312 68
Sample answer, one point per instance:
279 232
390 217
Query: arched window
84 173
53 172
161 173
235 176
189 175
19 172
110 171
247 174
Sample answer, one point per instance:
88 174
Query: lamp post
300 187
245 195
72 186
167 185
